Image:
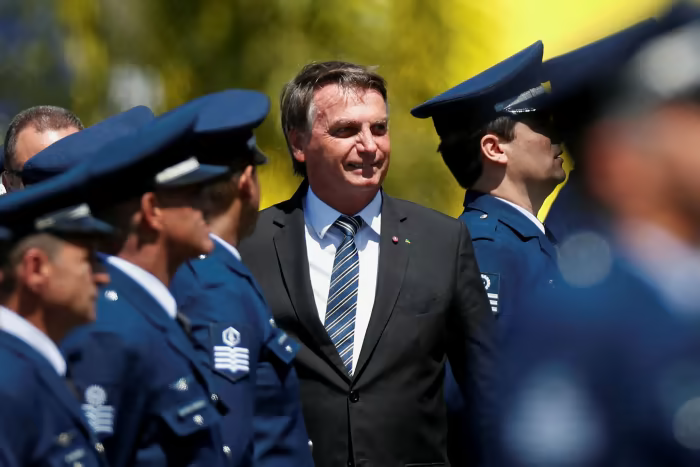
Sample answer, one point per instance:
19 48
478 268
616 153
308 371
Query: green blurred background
98 57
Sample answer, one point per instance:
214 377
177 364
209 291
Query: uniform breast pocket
190 417
231 345
71 449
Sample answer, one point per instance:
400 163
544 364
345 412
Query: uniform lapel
393 261
142 301
53 383
290 245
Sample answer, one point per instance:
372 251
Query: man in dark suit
49 287
379 291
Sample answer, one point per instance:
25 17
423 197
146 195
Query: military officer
610 359
497 139
251 357
143 387
49 287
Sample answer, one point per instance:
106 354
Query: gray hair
296 103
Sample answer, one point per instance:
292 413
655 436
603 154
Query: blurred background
98 57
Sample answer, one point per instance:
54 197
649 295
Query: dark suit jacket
430 304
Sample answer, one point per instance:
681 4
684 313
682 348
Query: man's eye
344 132
379 129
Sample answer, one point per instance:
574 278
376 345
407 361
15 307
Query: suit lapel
290 245
393 260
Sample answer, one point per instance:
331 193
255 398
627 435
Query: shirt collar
19 327
232 249
525 212
149 282
321 217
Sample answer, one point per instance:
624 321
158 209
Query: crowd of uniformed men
151 317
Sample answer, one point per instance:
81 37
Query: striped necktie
342 296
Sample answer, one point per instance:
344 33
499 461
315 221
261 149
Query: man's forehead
332 99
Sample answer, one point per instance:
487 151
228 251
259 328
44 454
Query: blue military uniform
251 359
219 295
41 423
514 253
604 370
144 389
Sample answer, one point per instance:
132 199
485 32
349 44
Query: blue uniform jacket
513 256
40 419
220 296
145 390
601 375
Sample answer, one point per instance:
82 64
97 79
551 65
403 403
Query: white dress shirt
19 327
148 281
322 240
232 249
525 212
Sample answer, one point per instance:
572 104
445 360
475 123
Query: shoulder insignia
492 285
99 415
229 355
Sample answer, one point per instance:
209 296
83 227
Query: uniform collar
320 217
14 324
232 249
524 212
505 211
148 281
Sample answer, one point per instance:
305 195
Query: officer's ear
34 269
151 212
492 147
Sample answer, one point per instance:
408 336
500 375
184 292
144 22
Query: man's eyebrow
345 122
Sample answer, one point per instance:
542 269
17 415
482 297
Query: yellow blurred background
98 57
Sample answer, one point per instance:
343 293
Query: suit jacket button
354 396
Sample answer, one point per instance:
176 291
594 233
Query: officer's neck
151 257
30 307
228 226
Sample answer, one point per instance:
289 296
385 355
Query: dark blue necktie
342 296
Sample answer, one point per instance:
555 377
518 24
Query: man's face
532 155
183 224
348 149
29 143
72 277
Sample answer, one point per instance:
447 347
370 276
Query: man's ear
492 148
151 212
34 269
297 143
246 181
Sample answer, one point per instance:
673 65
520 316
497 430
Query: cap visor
202 174
82 226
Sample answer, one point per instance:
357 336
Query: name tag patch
492 284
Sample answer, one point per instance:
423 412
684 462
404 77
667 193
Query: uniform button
272 323
198 419
288 348
77 464
214 397
354 396
99 448
483 216
227 451
551 281
311 445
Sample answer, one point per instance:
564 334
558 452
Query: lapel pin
395 239
407 241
